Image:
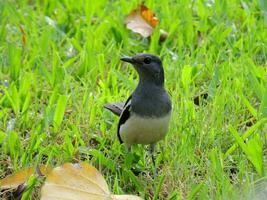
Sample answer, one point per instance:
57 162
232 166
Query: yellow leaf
14 180
126 197
142 21
78 182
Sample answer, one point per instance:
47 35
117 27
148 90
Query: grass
59 64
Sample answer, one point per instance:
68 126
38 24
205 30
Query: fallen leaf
78 182
15 180
135 22
125 197
143 21
148 15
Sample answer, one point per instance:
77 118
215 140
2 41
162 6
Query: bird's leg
129 148
151 152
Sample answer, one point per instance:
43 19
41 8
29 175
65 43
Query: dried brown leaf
14 180
78 182
142 21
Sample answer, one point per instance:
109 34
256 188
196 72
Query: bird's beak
128 59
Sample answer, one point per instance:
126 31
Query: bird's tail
115 108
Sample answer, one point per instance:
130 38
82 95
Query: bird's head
149 68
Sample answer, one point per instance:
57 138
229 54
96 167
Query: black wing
125 114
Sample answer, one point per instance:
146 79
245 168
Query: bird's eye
147 60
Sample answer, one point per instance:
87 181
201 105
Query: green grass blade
59 112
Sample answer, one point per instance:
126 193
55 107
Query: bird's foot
151 152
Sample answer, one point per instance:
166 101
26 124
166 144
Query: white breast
142 130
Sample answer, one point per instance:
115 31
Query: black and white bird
145 117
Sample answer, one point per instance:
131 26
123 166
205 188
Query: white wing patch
128 103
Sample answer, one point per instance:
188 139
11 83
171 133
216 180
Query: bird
145 116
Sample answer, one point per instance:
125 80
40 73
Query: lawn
60 63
